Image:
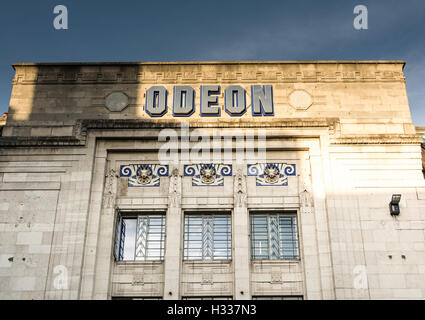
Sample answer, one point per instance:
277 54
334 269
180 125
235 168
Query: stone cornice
82 128
209 72
90 78
12 142
167 63
378 139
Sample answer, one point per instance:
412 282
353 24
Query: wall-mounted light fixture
394 204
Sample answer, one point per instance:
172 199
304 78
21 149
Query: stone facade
345 127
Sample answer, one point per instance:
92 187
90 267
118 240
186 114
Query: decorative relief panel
138 279
144 175
175 190
277 278
207 278
239 190
300 99
271 174
116 101
208 174
108 195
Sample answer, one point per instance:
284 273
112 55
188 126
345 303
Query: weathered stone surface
346 126
116 101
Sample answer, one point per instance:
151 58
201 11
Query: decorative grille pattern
277 298
274 236
150 237
207 237
142 239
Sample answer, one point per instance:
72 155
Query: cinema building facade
106 191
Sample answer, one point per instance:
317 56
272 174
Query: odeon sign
235 101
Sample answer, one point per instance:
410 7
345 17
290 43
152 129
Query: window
423 153
277 298
140 237
207 237
207 298
136 298
274 236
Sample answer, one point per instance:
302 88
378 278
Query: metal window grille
150 237
277 298
207 237
122 239
143 239
119 239
137 298
207 298
274 236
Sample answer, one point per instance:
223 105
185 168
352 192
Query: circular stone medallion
116 101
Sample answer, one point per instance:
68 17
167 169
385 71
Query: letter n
262 100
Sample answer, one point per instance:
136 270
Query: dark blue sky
138 30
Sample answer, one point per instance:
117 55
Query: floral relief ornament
144 175
208 174
271 174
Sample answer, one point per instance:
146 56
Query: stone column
172 259
322 227
241 257
307 223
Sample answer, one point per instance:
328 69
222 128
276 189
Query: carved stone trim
175 191
271 174
138 280
239 191
144 175
108 195
276 278
306 197
207 279
12 142
208 174
74 75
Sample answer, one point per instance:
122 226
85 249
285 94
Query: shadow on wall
2 122
47 100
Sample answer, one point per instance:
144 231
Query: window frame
267 213
217 212
280 298
136 298
135 214
206 298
